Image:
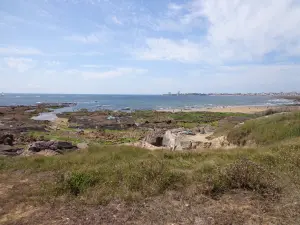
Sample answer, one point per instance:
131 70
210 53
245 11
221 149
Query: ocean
139 102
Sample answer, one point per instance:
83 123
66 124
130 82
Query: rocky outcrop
51 145
155 138
185 140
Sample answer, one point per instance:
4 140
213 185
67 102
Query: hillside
113 184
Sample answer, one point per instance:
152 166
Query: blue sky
149 47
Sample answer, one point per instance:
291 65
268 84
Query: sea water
140 102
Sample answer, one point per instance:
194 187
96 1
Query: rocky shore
20 135
174 131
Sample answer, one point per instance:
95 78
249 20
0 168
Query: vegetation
267 130
106 137
260 185
129 173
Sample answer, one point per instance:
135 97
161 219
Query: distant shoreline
234 109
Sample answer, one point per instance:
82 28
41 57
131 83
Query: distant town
238 94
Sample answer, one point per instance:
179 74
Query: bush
247 175
77 182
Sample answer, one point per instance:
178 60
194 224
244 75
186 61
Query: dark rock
52 145
61 145
6 150
7 139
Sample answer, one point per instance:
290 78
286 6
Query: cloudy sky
149 46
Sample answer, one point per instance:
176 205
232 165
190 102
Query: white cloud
166 49
235 31
20 64
19 51
116 20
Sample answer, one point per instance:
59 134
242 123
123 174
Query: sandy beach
234 109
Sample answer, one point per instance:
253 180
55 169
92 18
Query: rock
202 130
82 146
155 138
169 139
51 145
62 145
209 129
47 152
7 139
195 144
6 150
186 145
42 145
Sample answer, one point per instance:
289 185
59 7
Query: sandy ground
234 109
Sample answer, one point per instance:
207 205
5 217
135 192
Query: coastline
233 109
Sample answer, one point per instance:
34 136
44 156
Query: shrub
247 175
77 182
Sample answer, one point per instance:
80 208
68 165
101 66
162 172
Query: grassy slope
258 185
267 130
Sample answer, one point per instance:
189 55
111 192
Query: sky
149 46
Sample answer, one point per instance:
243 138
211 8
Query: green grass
110 172
267 130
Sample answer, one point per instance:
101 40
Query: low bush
247 175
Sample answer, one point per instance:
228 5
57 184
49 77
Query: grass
186 119
233 185
267 130
105 137
109 172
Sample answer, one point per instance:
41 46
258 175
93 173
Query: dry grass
109 175
267 130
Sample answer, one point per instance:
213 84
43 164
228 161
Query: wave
280 102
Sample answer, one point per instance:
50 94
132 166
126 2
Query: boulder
155 138
42 145
169 140
51 145
7 139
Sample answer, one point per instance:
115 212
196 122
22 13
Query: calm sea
118 102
